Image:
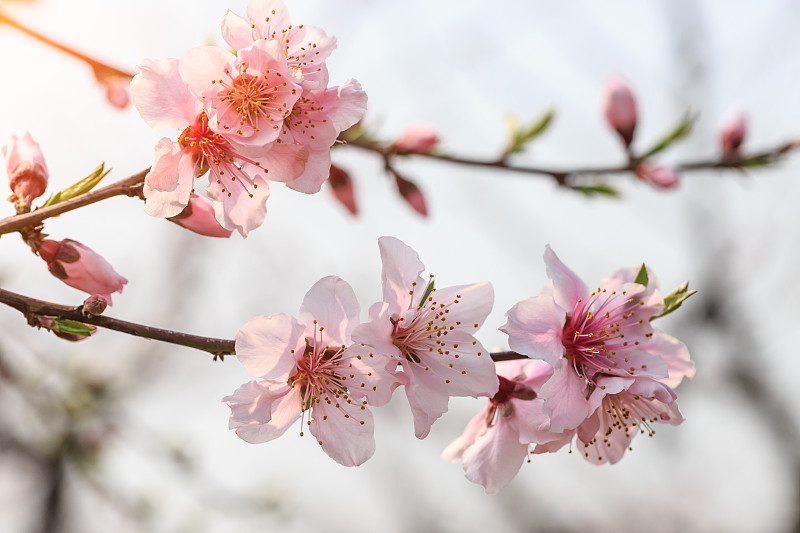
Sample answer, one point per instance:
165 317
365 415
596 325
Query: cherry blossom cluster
598 371
261 112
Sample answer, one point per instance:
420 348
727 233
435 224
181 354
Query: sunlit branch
31 307
130 186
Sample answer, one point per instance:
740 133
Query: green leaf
674 300
597 189
80 187
428 291
756 161
63 325
641 277
521 136
681 130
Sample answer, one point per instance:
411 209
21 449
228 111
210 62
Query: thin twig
130 186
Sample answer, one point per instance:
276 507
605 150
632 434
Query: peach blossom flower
27 171
619 105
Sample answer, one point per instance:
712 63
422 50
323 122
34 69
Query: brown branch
561 176
31 307
130 186
98 66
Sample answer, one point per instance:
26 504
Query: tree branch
130 186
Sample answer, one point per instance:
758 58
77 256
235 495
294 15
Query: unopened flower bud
732 134
417 140
198 216
620 108
81 267
27 171
94 305
663 177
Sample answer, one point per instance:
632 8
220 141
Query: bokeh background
122 434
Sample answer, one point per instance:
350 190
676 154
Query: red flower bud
342 187
663 177
732 134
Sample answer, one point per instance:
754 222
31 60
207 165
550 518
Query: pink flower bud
27 171
732 133
417 140
94 305
342 187
80 267
620 107
663 177
198 216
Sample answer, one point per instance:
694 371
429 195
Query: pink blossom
495 442
587 336
619 105
245 96
417 140
663 177
81 267
198 216
305 369
732 134
27 171
237 180
430 333
306 48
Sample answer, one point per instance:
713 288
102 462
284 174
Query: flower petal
535 327
495 457
168 185
569 288
161 96
564 399
401 274
332 303
266 346
344 430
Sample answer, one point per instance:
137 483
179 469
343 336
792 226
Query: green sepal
641 277
73 327
521 135
674 300
428 291
597 189
80 187
679 132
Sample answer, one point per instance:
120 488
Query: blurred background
122 434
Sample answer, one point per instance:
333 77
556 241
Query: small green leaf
63 325
428 291
679 132
521 136
641 277
763 160
674 300
597 189
80 187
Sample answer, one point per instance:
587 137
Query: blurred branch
219 347
562 176
99 67
130 186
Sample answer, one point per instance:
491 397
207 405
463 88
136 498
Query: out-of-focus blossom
588 336
495 442
198 216
619 106
411 193
430 333
661 176
117 86
81 267
342 186
306 370
732 134
27 171
417 140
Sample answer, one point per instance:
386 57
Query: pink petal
531 423
235 208
316 171
369 374
332 303
426 396
285 411
465 366
675 354
495 458
377 332
401 273
535 327
475 302
269 16
346 104
265 346
252 403
198 216
454 451
169 183
344 430
564 399
568 287
236 31
161 96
